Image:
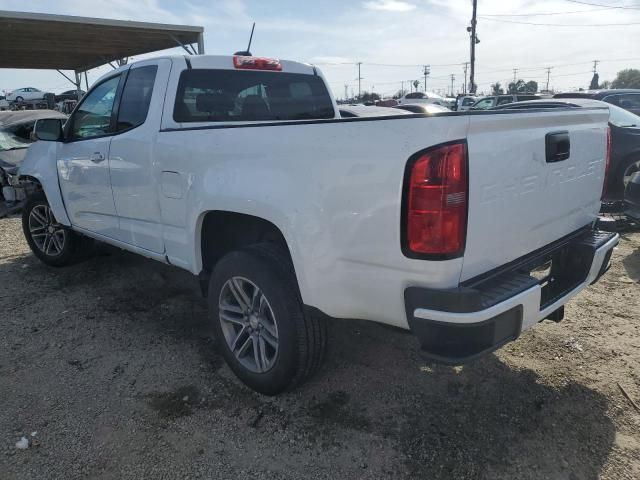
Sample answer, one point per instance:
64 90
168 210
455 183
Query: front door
83 165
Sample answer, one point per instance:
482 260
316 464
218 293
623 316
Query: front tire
51 242
261 327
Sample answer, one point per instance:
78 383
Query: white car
423 97
25 94
464 229
4 104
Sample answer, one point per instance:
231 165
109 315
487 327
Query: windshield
623 118
11 141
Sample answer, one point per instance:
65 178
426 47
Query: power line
561 24
602 5
545 14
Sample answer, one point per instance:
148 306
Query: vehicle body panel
518 201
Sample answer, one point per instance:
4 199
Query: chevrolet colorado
464 228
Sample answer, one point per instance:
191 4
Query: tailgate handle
558 146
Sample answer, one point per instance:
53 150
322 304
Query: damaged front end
14 191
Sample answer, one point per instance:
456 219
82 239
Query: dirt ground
111 363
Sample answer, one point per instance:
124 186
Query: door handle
558 146
97 157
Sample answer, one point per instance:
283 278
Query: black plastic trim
460 343
404 207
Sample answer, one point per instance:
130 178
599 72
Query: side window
484 104
93 117
136 97
630 101
505 100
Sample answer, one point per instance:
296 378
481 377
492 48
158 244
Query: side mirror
48 130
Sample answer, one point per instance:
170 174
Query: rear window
415 95
240 96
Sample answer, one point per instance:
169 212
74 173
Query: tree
594 82
629 78
496 89
605 85
523 87
369 97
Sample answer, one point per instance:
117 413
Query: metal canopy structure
61 42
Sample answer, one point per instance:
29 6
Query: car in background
424 108
497 100
4 104
625 142
15 137
423 97
69 95
629 98
465 102
360 110
25 94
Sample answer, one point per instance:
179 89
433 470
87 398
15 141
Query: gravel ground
111 363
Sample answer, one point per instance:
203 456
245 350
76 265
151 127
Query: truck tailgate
518 200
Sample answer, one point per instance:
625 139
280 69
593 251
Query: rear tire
261 327
53 243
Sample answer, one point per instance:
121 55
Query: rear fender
40 163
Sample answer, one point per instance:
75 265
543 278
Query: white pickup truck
465 229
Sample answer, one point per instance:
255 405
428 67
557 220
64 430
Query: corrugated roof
43 41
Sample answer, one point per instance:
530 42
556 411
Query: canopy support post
200 43
78 84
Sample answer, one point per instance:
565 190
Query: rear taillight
435 202
607 164
256 63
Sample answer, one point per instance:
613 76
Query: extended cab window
136 97
93 117
234 96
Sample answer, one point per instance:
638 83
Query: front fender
40 163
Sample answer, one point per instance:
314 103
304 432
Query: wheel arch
221 231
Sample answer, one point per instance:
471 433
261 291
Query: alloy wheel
248 324
48 235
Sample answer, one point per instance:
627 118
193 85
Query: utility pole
515 73
548 76
453 79
474 40
426 71
346 91
595 66
464 86
359 81
402 88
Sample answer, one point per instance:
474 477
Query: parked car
4 104
426 108
497 100
629 99
464 103
423 97
25 94
350 111
446 226
15 137
625 142
69 95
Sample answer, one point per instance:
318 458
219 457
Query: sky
392 38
